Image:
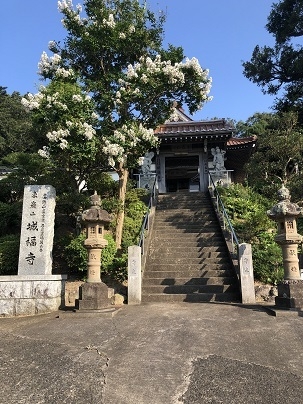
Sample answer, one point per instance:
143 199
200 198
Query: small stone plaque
37 230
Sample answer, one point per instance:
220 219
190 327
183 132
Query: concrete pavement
153 354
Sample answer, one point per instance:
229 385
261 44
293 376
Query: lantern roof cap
284 208
95 213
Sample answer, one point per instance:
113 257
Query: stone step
149 281
190 223
187 227
187 219
188 289
188 250
186 260
202 242
159 231
191 297
186 209
191 272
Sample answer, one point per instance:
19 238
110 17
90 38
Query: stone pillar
134 275
246 274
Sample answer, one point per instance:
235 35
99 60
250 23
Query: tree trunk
123 177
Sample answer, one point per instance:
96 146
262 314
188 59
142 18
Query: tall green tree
16 132
278 158
278 69
114 52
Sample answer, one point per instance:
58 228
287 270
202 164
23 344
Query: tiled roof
194 131
194 128
240 143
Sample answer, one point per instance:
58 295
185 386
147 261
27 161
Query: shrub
75 255
267 259
10 218
9 254
248 213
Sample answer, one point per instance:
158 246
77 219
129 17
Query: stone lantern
285 213
94 293
94 220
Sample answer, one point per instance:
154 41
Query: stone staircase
188 259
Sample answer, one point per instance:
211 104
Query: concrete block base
22 295
290 295
93 296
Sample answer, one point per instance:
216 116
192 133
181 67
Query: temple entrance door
182 173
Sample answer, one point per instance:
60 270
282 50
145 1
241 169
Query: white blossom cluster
54 101
147 69
126 140
65 5
110 22
52 65
44 152
66 128
115 153
32 101
58 136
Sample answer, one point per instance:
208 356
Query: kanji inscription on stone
37 230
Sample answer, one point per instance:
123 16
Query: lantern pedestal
93 296
290 295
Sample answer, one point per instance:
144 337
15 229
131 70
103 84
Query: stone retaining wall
22 295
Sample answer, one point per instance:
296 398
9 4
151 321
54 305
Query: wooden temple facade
185 157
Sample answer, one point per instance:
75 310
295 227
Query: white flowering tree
67 117
114 48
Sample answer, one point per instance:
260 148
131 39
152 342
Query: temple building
191 150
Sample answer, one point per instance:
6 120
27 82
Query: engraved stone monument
37 230
34 290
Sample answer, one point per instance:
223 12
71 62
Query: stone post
134 275
285 214
93 295
246 274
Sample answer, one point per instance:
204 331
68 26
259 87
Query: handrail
221 209
145 221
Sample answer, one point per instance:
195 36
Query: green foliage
10 218
135 209
267 259
9 254
108 255
280 67
278 155
75 254
29 168
247 211
113 263
16 132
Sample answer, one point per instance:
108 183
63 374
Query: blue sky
219 33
